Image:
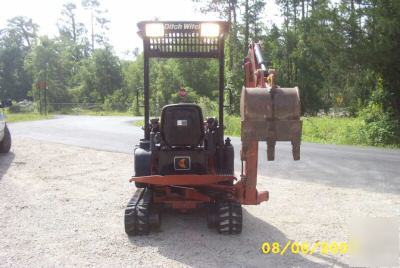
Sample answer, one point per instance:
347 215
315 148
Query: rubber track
137 213
229 217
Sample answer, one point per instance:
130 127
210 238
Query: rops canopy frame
183 39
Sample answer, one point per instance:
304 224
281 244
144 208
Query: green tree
16 41
68 26
382 52
100 75
24 28
46 62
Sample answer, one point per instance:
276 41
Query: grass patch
333 130
19 117
138 123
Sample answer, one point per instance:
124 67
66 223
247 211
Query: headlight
155 29
209 30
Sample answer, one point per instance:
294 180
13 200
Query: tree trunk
287 16
246 27
230 64
73 29
295 14
235 37
92 31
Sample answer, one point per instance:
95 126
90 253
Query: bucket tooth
271 150
296 150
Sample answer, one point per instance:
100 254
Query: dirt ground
63 206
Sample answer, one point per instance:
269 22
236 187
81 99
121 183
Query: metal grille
183 44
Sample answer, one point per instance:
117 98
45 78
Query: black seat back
182 125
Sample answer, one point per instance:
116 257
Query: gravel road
62 205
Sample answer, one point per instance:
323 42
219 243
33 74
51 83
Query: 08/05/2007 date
306 248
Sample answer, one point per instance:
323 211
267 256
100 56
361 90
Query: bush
65 110
118 101
232 125
14 109
133 109
107 105
381 126
209 108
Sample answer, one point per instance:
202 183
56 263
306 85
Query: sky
123 15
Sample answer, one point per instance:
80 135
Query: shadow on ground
185 238
5 162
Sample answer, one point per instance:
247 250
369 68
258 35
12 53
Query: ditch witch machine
184 162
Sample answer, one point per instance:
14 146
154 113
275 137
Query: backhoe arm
268 113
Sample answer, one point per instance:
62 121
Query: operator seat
182 125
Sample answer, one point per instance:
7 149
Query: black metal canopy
183 39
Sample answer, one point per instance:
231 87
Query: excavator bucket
271 115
